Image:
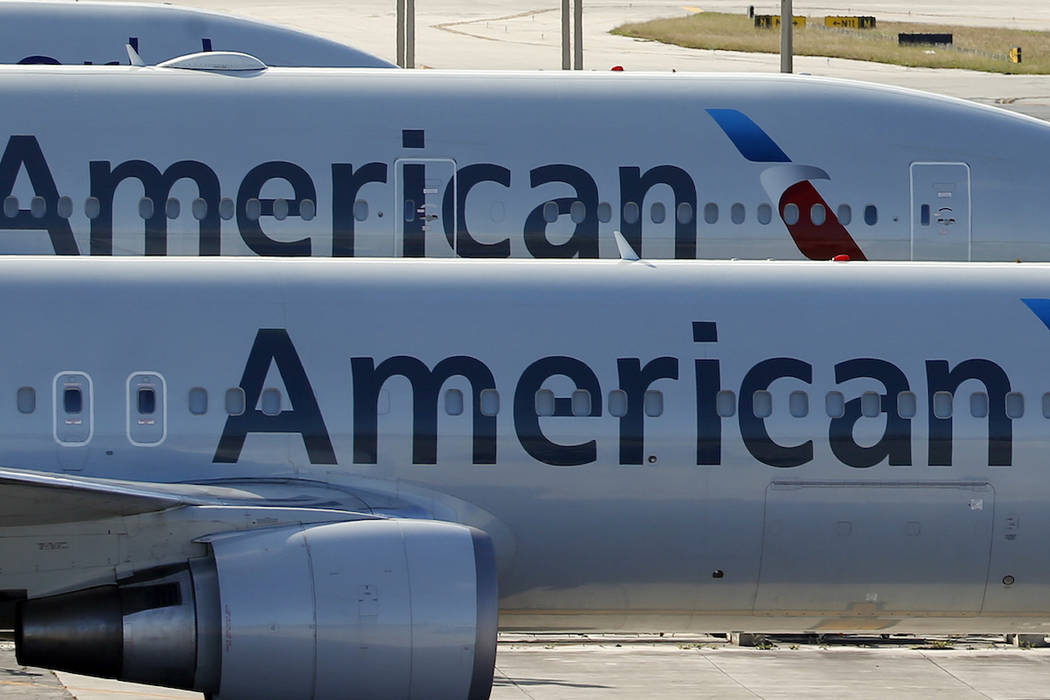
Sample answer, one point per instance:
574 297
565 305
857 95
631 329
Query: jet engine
364 609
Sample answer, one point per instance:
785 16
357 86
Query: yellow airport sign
849 22
773 21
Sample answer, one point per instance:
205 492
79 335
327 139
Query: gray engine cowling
365 609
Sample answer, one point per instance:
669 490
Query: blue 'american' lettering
23 153
273 347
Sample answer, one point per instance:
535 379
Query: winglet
133 56
624 248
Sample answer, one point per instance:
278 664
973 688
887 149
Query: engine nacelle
366 609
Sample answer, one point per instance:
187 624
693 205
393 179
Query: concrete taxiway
504 34
575 667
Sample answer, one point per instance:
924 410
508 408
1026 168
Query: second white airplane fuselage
667 445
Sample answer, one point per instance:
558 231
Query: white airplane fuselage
49 32
666 445
372 162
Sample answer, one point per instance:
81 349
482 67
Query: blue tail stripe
753 143
1041 308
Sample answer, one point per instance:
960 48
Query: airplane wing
41 498
36 498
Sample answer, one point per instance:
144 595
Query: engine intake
367 609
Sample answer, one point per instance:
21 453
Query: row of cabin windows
270 403
871 404
199 208
816 214
580 403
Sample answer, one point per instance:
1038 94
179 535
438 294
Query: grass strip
974 48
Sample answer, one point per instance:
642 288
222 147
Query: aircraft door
847 550
74 409
147 422
424 228
940 211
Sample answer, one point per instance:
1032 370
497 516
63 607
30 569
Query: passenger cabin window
544 402
765 213
581 402
684 213
658 213
737 213
1014 405
235 401
979 404
1046 405
604 212
198 400
253 209
489 400
199 208
631 213
26 399
73 400
653 403
844 214
870 404
791 214
454 402
942 404
711 213
226 208
578 212
818 214
147 401
763 404
270 401
906 404
798 404
835 404
618 403
280 209
725 404
871 215
360 210
550 212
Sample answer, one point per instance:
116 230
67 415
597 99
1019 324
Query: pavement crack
721 670
952 675
513 683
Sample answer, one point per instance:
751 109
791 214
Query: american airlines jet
218 154
321 478
66 32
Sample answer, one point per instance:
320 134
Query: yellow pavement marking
694 10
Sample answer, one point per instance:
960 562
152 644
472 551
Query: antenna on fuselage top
625 249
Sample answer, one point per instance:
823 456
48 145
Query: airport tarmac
605 667
504 34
